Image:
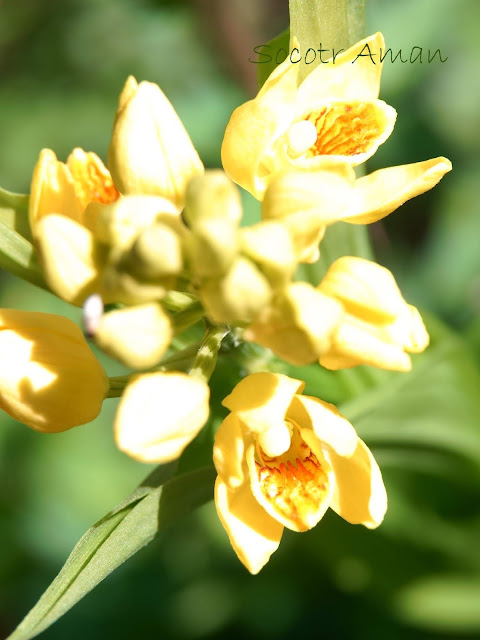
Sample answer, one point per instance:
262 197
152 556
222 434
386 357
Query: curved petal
254 534
359 495
353 74
327 423
228 451
255 125
383 191
261 399
160 414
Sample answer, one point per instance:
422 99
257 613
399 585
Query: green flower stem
325 24
179 361
206 358
188 316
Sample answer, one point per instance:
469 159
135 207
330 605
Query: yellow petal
324 419
367 289
150 152
228 451
353 74
383 191
52 190
254 535
70 257
261 399
160 414
49 378
359 495
137 336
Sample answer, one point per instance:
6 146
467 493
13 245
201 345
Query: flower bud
137 336
237 297
49 378
160 414
270 246
150 151
212 196
212 247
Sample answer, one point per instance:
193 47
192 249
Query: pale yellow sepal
212 247
160 414
137 336
321 463
70 256
49 378
150 151
338 99
298 325
378 327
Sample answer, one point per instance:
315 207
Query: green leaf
435 407
272 50
17 256
14 212
445 603
159 501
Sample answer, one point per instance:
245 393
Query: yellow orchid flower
298 324
160 414
333 117
282 459
378 327
49 378
67 188
59 197
306 202
150 151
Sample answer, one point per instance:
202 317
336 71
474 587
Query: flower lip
293 488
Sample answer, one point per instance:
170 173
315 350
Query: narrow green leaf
158 502
14 212
276 50
17 256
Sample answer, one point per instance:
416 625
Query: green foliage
158 501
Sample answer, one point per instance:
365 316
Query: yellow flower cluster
155 233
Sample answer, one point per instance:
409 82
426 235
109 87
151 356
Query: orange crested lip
296 491
92 181
346 128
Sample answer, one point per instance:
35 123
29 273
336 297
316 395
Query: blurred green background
62 66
